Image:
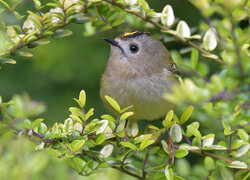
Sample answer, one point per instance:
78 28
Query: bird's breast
144 92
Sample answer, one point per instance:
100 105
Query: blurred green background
56 74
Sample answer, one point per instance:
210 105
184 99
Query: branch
128 172
145 162
165 29
33 4
215 156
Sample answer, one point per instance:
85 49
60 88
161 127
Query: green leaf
54 4
76 145
6 5
61 33
109 118
180 153
237 143
54 152
125 115
165 147
100 138
88 114
178 178
145 139
42 128
129 145
209 163
82 98
194 131
37 4
35 16
168 118
113 103
194 58
237 165
36 122
76 111
36 43
126 108
208 136
169 173
68 125
21 53
243 134
243 149
186 114
214 147
7 61
75 118
227 128
226 173
148 143
176 133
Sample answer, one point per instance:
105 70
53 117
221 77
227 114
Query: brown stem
19 23
33 4
101 16
165 29
117 123
215 156
128 172
144 164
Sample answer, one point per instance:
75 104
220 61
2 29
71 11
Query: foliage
207 97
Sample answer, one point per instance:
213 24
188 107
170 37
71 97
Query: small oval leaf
167 15
183 29
209 40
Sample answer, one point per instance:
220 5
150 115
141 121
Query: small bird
139 71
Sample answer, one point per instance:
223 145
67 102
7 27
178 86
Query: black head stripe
134 34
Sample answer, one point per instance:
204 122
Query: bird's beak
113 42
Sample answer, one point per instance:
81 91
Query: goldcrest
139 71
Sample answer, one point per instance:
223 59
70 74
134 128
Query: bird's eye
134 48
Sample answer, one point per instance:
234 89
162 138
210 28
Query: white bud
40 146
208 142
209 40
106 151
183 29
29 24
68 3
104 123
78 127
175 132
132 128
130 2
55 20
167 16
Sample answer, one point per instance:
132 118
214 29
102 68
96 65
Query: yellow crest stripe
130 33
134 34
